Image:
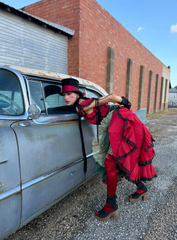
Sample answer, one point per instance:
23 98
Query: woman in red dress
130 144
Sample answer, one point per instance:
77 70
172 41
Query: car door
91 166
50 151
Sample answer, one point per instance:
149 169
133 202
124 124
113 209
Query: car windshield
11 101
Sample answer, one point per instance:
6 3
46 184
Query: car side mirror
34 112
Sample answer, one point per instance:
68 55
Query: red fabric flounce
92 117
132 145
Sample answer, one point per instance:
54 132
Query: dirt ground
159 123
169 111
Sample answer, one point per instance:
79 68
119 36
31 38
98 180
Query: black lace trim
152 145
80 107
127 176
144 179
141 163
148 162
76 104
88 104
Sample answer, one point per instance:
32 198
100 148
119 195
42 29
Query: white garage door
27 44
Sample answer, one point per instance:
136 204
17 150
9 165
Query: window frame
92 89
30 97
48 81
18 78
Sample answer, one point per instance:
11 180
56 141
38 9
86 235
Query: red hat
70 85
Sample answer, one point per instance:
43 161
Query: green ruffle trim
103 146
101 171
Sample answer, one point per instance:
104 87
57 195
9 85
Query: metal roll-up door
27 44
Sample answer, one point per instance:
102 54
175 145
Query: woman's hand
118 104
125 102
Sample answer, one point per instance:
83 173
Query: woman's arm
102 100
110 98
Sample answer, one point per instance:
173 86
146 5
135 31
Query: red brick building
104 52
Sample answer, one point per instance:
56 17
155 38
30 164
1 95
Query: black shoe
110 209
140 193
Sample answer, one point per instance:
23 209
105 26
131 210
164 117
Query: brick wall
95 31
99 31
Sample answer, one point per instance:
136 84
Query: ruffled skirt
131 144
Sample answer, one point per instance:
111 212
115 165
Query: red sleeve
83 104
87 102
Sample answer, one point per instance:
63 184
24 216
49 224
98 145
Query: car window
37 95
54 102
92 94
11 100
47 96
52 95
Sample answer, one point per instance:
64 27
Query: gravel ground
73 217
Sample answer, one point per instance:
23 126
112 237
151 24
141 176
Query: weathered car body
41 159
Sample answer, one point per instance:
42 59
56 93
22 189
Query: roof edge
53 26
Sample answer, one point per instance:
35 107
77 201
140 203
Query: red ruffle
132 146
92 117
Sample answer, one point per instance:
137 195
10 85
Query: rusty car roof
55 75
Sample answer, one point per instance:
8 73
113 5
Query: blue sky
152 22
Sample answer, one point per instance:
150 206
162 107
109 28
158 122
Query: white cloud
140 28
173 28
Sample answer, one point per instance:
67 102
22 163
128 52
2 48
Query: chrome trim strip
49 119
91 154
9 193
39 179
4 161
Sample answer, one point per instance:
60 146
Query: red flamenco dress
130 150
130 141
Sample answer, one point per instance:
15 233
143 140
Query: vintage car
41 157
42 154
